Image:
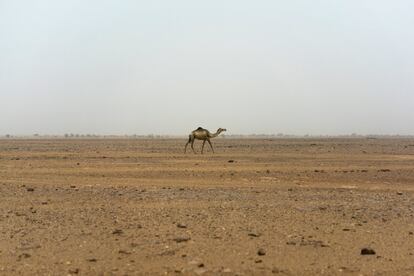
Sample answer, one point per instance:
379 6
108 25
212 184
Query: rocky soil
256 207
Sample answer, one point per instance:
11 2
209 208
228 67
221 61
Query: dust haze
166 68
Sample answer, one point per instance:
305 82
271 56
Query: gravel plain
256 207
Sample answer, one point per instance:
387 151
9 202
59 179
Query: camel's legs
192 146
185 149
208 140
202 148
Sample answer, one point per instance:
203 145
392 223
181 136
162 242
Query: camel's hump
199 128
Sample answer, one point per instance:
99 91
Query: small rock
72 186
200 271
196 263
74 271
30 189
118 232
261 252
231 161
367 251
182 239
180 225
92 260
258 261
253 234
411 233
276 270
399 193
24 256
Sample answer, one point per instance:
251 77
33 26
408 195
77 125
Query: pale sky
167 67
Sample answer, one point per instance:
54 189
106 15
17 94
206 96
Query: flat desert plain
256 207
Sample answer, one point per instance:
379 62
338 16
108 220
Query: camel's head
221 130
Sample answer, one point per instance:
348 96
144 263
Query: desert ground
255 207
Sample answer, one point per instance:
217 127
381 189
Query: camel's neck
215 134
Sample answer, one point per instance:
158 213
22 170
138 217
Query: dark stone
118 232
261 252
276 270
182 239
367 251
30 189
24 256
74 271
180 225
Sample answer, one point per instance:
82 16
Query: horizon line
160 136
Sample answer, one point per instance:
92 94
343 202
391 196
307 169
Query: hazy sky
167 67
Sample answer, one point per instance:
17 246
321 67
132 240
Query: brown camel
202 134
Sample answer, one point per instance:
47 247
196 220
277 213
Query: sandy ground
256 207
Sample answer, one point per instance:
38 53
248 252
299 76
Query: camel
202 134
